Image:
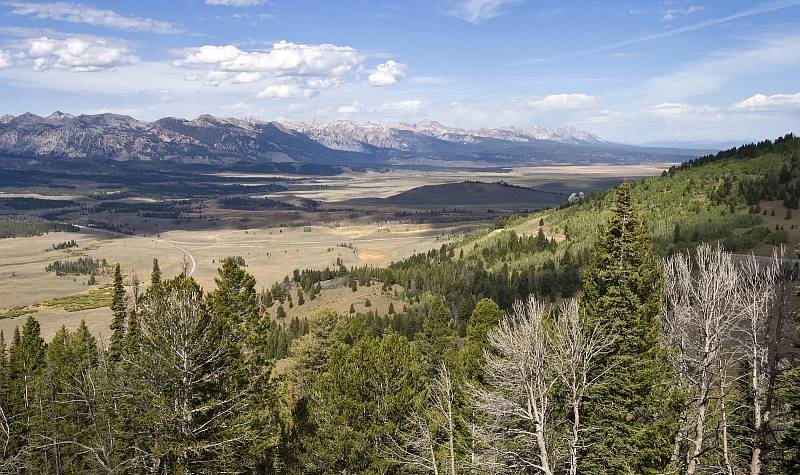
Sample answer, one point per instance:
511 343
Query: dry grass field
270 254
270 251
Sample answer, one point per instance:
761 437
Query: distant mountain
214 140
354 137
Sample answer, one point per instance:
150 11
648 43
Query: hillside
744 198
468 193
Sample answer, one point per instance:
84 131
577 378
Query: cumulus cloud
80 13
209 55
246 78
75 54
286 91
478 11
214 78
402 106
5 59
284 58
761 102
387 73
289 70
235 3
563 102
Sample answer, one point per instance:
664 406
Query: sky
629 71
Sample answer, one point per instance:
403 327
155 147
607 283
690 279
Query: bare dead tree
416 446
517 402
764 304
700 318
442 400
575 348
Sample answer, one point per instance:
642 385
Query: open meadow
196 236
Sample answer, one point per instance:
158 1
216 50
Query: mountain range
215 140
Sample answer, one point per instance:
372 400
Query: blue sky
630 71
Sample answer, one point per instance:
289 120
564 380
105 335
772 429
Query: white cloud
761 102
246 78
235 3
284 58
75 54
208 55
478 11
79 13
679 109
671 13
5 59
402 106
214 78
287 69
387 73
285 91
563 102
353 108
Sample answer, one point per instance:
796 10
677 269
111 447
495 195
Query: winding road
161 241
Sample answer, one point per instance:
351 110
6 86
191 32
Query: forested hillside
599 338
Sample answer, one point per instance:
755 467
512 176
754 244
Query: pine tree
133 334
300 299
118 309
155 276
280 313
484 317
633 410
362 397
25 363
437 336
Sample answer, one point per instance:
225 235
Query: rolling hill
468 194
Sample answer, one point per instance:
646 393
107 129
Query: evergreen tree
361 399
486 315
234 303
155 275
133 334
633 410
118 309
190 374
437 336
25 362
300 299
